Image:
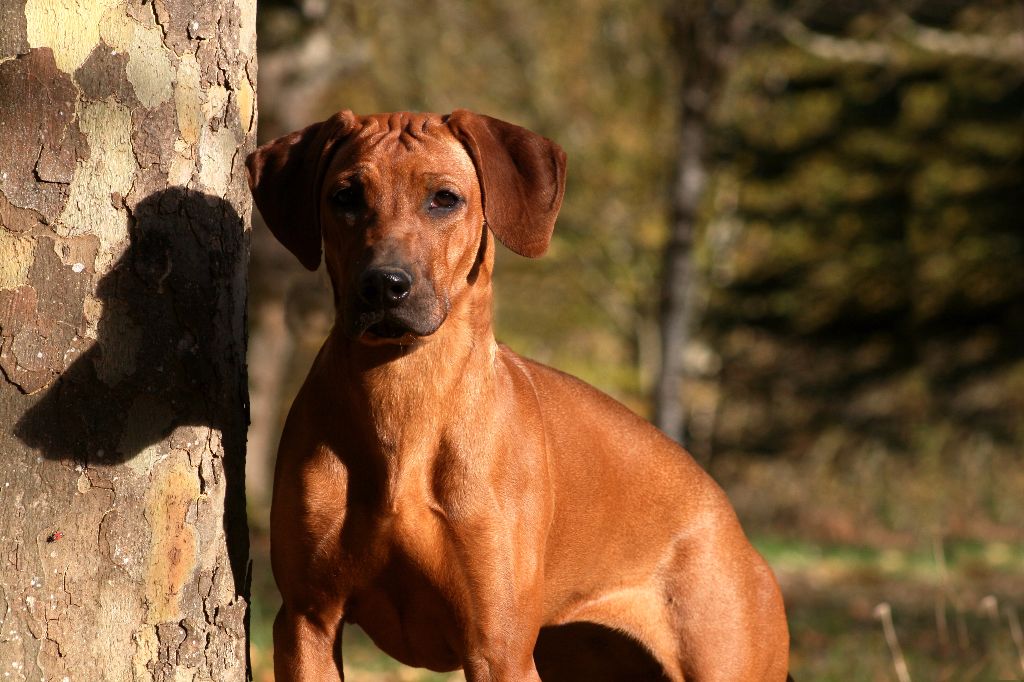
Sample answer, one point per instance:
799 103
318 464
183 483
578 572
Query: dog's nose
382 288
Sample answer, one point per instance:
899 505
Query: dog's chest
408 526
410 606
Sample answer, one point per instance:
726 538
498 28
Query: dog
465 506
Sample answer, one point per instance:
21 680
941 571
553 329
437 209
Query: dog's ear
285 177
522 179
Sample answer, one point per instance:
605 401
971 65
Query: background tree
123 243
706 41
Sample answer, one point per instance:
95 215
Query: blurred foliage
864 244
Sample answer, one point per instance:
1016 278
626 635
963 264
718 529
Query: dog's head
402 204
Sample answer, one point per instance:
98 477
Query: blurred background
793 236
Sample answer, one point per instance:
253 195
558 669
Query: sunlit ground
951 624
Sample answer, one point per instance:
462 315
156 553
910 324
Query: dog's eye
445 200
347 198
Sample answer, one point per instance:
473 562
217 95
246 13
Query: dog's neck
414 389
408 409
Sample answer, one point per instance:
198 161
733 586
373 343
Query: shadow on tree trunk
158 368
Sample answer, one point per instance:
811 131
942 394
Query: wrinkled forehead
389 145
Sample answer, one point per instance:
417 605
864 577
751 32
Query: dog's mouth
388 332
388 329
381 328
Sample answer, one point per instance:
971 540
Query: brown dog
451 497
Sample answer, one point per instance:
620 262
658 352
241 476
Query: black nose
382 288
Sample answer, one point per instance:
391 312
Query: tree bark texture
124 215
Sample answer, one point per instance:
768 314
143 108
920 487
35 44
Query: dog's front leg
501 669
503 627
506 655
502 600
306 647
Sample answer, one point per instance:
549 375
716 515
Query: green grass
964 558
832 592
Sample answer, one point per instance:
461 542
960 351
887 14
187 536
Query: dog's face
402 226
402 203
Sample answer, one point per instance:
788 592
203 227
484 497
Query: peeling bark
124 218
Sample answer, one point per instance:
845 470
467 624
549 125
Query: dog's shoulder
568 399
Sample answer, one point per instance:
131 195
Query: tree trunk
677 271
124 215
705 37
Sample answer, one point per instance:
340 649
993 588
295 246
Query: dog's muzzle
388 310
